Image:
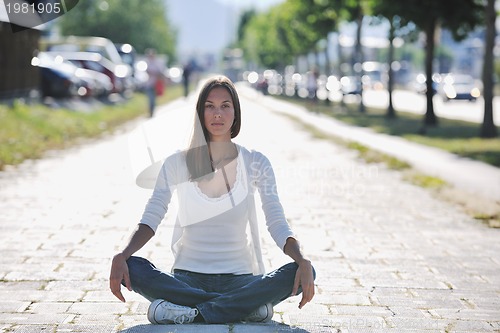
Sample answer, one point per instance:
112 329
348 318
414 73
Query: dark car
57 83
59 74
57 80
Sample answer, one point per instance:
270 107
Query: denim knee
139 267
293 266
138 262
291 269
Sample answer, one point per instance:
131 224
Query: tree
264 41
355 11
243 23
488 128
300 32
290 29
459 16
397 27
322 17
390 59
142 24
358 14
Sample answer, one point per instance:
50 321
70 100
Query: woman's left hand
305 279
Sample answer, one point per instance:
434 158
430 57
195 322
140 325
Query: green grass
27 131
425 181
458 137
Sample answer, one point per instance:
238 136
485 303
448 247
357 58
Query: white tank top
214 239
218 245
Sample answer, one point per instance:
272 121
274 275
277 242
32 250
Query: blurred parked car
89 83
103 46
129 56
119 74
459 86
329 87
420 85
374 75
350 85
57 79
127 53
98 84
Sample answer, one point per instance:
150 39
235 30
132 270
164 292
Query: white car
459 86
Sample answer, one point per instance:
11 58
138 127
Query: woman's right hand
119 269
119 273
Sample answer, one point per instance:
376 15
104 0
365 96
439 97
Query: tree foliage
140 23
288 30
263 42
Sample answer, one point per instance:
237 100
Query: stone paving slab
389 256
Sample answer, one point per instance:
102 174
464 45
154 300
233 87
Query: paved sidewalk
389 256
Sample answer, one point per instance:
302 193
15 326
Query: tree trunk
359 58
391 114
328 70
317 56
340 71
430 117
488 128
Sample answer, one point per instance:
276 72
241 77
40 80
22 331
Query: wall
17 76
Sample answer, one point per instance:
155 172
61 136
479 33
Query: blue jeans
220 298
151 93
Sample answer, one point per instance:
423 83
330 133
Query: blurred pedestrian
186 76
218 274
312 84
156 79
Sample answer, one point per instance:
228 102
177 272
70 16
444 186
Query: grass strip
27 131
455 136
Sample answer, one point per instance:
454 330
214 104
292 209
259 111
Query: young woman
218 274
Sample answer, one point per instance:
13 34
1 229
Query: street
389 256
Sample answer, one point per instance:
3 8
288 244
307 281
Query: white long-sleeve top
254 171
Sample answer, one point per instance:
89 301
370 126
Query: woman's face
219 114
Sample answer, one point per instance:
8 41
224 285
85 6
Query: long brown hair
198 155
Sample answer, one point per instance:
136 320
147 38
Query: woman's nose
217 112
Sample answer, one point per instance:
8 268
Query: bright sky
212 26
259 4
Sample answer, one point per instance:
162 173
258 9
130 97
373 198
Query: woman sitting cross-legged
218 274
